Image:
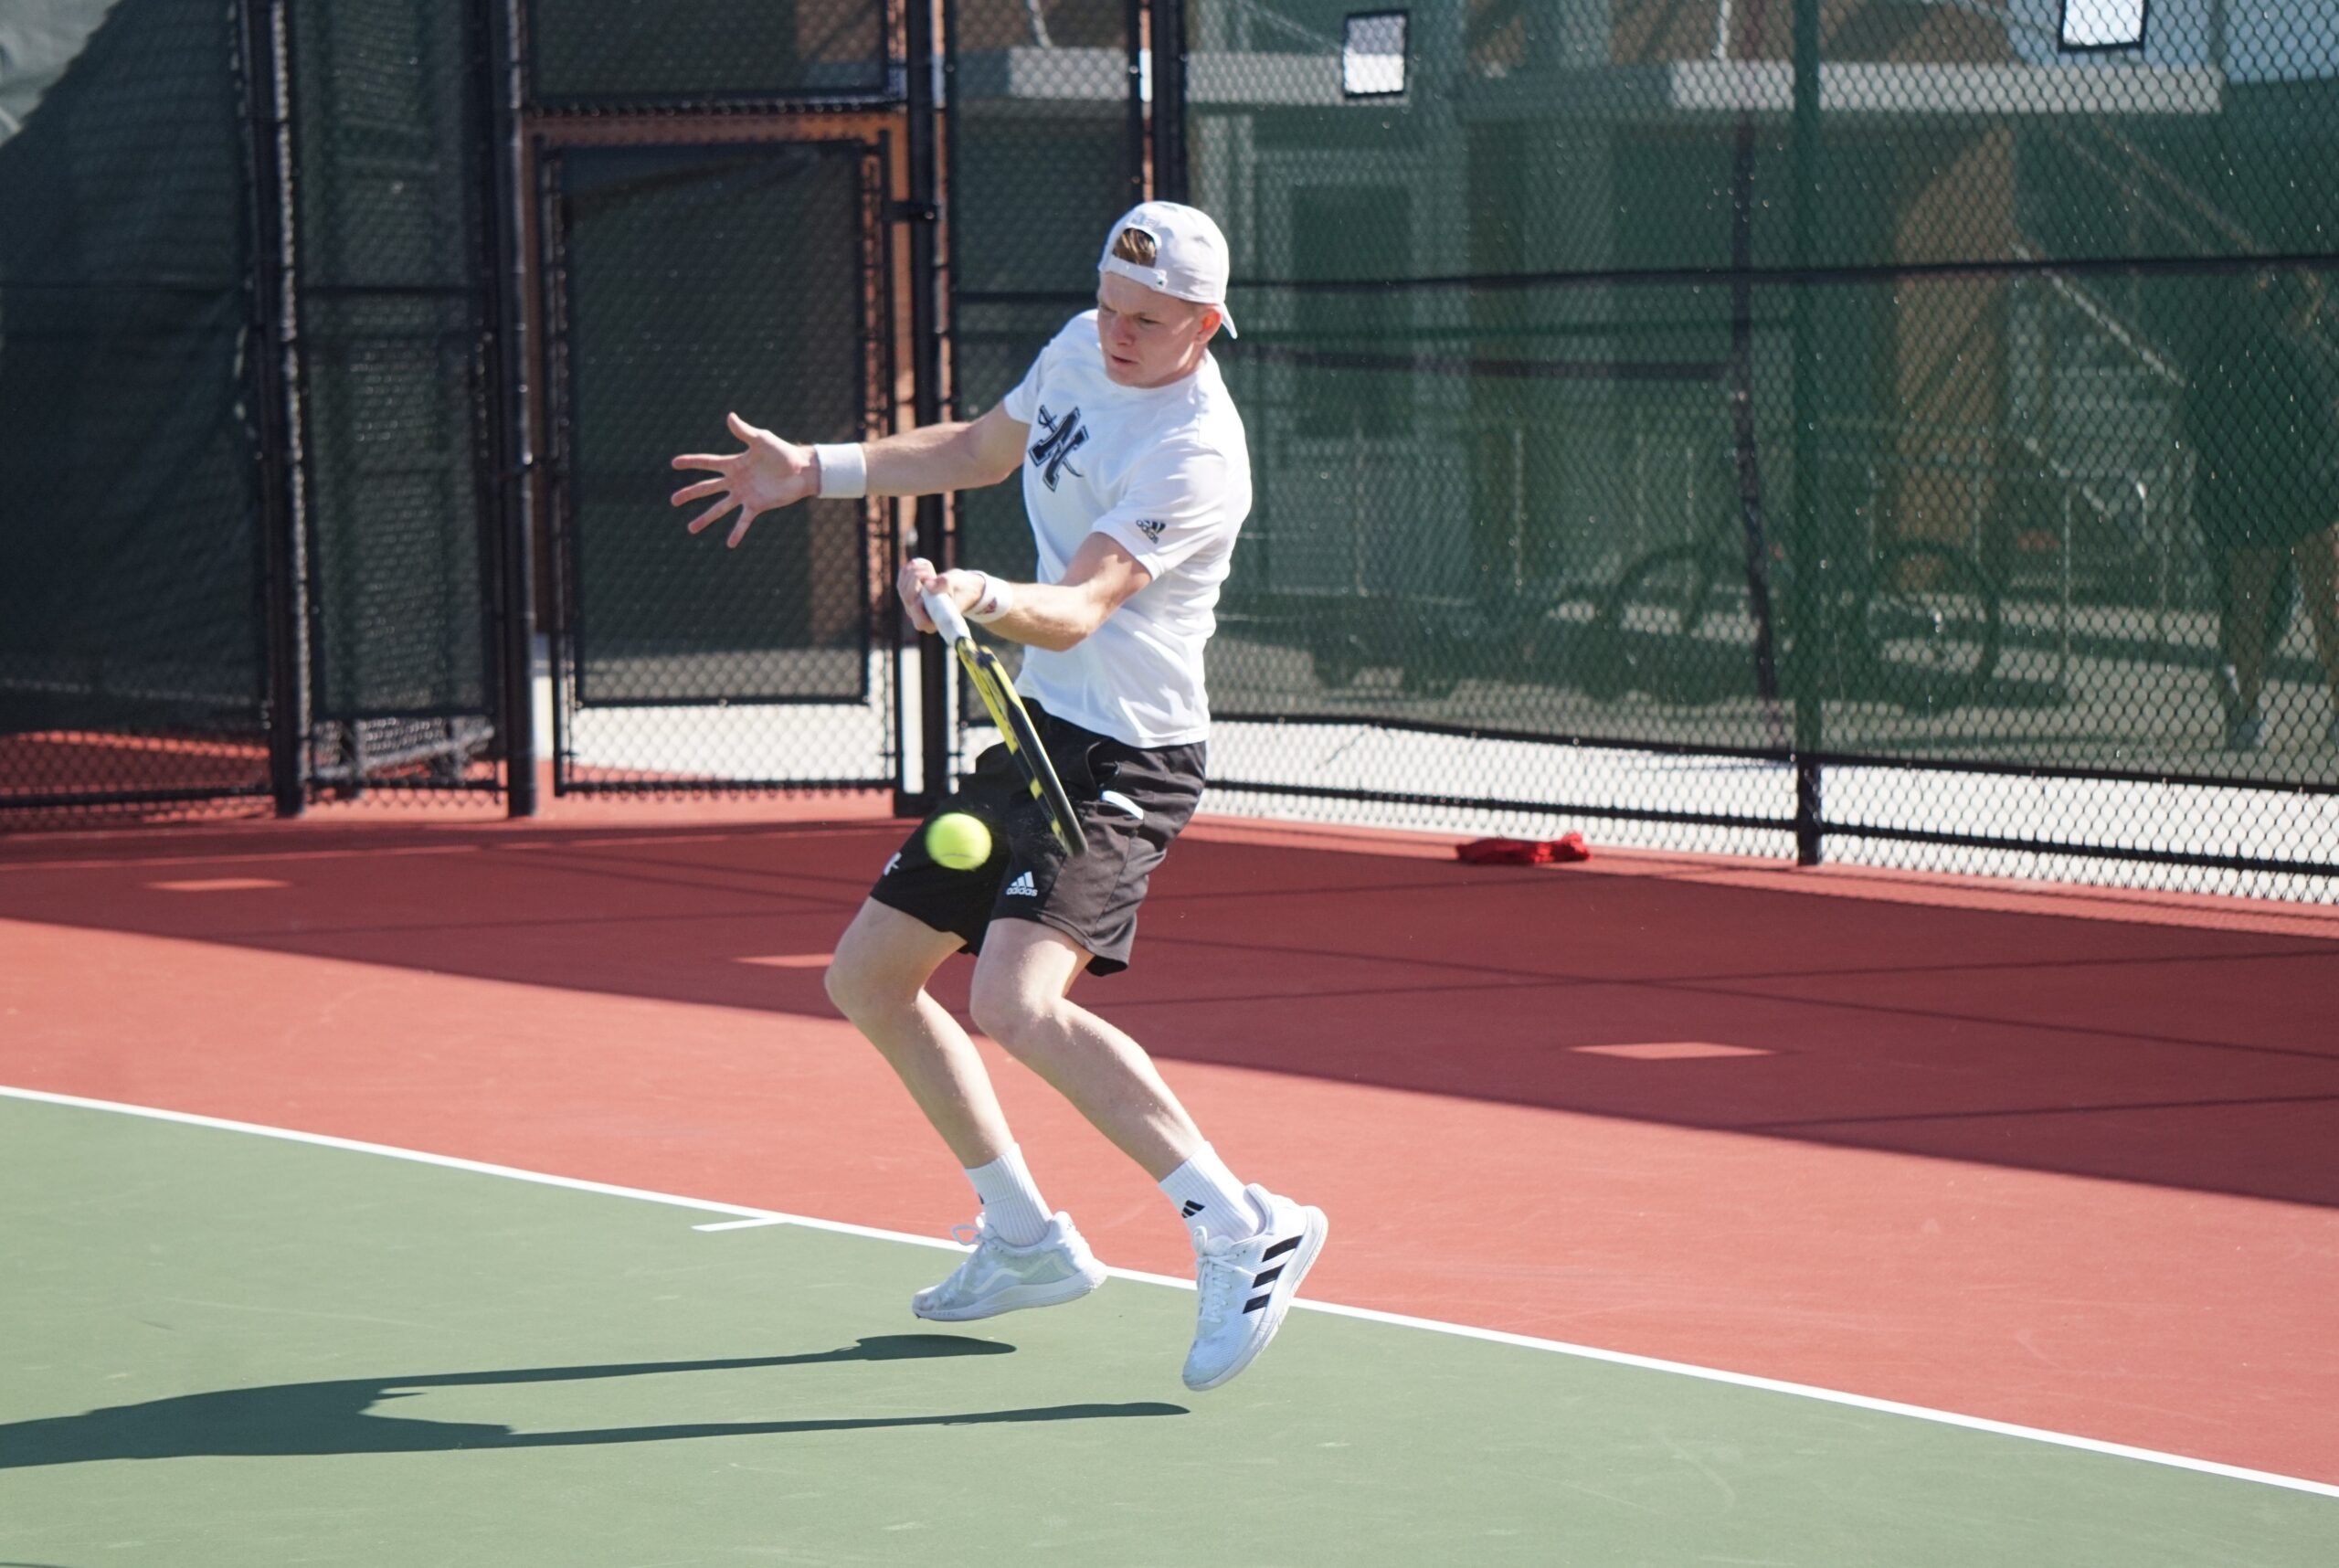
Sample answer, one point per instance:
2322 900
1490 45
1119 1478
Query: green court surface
223 1349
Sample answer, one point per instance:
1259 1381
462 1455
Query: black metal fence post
511 444
274 388
1810 812
1813 532
1168 46
927 64
1141 85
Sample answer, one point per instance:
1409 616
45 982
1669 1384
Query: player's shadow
338 1416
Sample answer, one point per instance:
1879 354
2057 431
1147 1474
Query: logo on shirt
1022 887
1053 451
1151 528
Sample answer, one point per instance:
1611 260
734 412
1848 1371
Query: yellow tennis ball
957 840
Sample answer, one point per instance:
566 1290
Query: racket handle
946 617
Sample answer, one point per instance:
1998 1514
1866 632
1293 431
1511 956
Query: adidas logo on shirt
1023 888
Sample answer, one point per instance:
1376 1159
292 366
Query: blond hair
1135 245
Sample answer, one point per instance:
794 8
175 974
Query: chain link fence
701 55
133 675
680 663
244 320
716 237
1752 424
1900 399
393 310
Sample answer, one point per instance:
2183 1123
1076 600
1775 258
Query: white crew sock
1012 1201
1209 1199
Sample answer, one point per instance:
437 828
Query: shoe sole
1019 1299
1311 1241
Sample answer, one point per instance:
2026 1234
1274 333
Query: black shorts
1132 801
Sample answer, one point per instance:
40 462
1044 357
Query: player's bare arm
769 473
1100 577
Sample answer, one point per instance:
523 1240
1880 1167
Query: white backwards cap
1190 260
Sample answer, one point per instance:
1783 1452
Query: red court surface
2063 1157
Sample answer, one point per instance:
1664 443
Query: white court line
478 1167
752 1216
744 1224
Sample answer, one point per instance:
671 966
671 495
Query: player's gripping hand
768 474
919 578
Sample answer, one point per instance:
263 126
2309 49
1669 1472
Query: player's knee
844 983
859 988
1005 1011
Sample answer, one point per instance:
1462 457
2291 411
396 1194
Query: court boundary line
765 1217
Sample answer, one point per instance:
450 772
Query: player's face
1149 338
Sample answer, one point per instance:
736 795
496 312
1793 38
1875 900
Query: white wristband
844 470
999 598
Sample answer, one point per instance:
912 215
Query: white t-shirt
1164 471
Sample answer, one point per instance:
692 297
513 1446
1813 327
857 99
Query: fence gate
684 281
712 233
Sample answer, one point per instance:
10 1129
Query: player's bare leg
877 979
1252 1247
1023 1255
1020 999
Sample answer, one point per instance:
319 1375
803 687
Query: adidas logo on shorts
1023 888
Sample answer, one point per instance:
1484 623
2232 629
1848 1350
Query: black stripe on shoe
1280 1248
1258 1301
1267 1278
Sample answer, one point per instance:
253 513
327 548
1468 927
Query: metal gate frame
878 117
872 146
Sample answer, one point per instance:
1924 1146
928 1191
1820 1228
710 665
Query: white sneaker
1246 1286
997 1277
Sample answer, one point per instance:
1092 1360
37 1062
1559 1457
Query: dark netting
1613 376
695 53
386 133
1042 149
132 667
767 301
399 618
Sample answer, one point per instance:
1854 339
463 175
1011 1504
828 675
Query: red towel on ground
1524 851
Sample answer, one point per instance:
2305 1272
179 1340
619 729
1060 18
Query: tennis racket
988 677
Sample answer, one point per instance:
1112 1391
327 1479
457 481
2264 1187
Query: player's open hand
769 473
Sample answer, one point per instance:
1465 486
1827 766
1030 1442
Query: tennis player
1135 478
